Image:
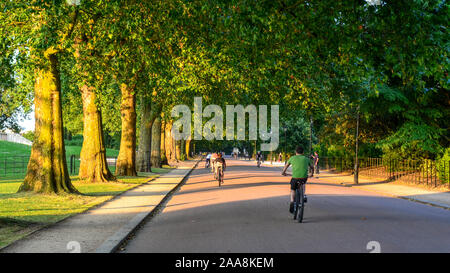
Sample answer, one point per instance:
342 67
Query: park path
101 229
249 213
435 197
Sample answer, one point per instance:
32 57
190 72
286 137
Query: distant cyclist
219 166
300 165
208 160
316 162
212 160
259 158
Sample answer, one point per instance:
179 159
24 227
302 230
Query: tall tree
42 32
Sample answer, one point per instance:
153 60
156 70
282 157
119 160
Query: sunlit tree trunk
47 169
156 143
126 161
93 165
188 149
170 144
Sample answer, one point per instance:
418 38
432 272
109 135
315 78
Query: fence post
415 171
396 169
388 165
422 173
71 164
378 166
435 173
390 169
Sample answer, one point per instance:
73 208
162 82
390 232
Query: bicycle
258 163
218 173
299 201
311 170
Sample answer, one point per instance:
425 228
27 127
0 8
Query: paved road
250 214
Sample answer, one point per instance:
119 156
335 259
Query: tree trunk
169 143
163 143
356 175
47 169
126 161
178 149
188 148
310 134
150 112
145 138
93 165
156 143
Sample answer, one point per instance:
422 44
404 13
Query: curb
412 199
112 243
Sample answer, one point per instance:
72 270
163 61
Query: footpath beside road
104 228
393 189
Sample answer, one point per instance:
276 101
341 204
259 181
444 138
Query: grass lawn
14 159
23 213
8 149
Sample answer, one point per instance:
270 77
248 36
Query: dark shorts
294 182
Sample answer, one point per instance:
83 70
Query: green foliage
316 59
294 132
29 135
443 167
76 140
413 140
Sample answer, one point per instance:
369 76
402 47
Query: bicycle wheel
296 199
300 204
219 177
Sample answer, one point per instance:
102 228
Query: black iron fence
13 165
16 166
423 171
73 164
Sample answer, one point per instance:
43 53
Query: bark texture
126 161
93 165
178 149
169 142
145 138
156 143
188 148
47 169
163 143
150 112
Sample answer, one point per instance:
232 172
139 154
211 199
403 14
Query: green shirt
300 165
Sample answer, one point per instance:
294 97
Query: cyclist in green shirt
300 165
